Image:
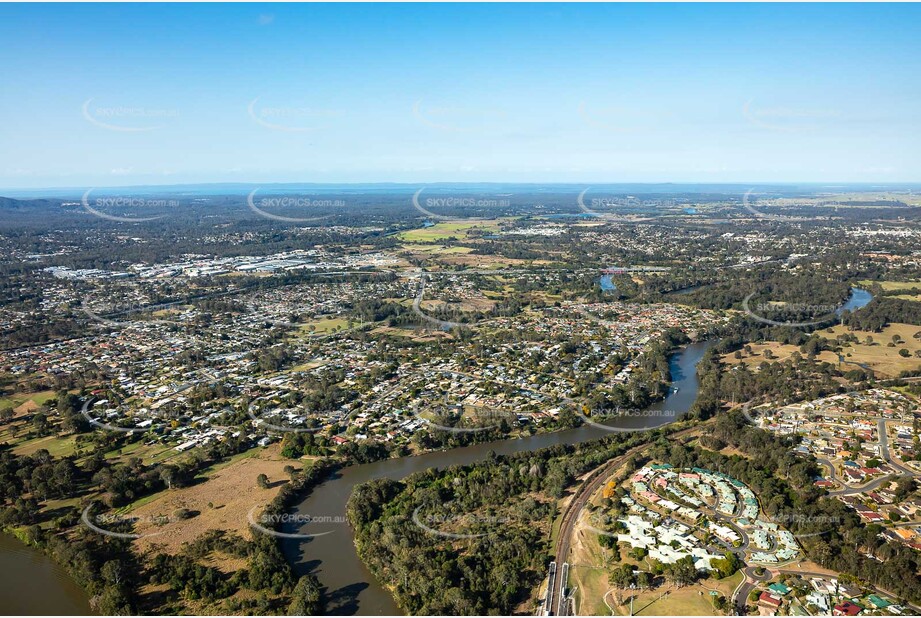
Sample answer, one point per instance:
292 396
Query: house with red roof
769 600
847 609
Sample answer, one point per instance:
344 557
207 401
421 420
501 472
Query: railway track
591 484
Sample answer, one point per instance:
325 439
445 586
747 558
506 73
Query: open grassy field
693 600
591 584
231 491
416 334
780 351
879 356
324 326
436 249
893 285
149 454
22 400
59 447
309 365
896 286
448 229
466 304
481 262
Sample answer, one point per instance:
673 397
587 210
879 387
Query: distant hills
383 188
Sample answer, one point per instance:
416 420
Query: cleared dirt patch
879 356
780 352
232 492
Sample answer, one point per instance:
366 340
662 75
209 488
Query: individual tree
307 598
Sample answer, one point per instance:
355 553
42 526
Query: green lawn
14 401
325 325
447 229
892 285
59 447
591 584
688 601
436 249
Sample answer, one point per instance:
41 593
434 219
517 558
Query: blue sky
106 95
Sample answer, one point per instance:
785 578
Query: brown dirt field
879 356
728 451
807 566
479 261
781 353
224 563
468 304
233 491
26 408
415 335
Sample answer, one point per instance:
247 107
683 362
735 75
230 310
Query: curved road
740 594
600 475
595 480
417 309
914 608
849 491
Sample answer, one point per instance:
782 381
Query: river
607 284
331 555
858 299
33 584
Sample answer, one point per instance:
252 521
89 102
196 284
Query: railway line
592 484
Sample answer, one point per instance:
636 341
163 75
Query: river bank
33 584
327 549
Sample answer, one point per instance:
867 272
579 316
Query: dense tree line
799 377
509 500
831 534
880 312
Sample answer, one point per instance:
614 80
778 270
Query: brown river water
33 584
331 556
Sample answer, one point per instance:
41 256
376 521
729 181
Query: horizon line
408 184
